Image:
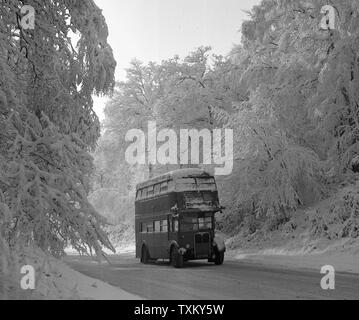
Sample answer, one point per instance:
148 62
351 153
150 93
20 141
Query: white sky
154 30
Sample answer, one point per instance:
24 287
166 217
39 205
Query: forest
289 91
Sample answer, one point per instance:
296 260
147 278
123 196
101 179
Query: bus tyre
145 257
219 257
176 259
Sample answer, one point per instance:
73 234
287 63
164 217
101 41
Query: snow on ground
129 248
55 280
120 249
89 288
300 251
341 261
324 234
304 252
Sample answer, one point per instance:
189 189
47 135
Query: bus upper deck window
164 187
207 183
205 180
144 193
157 189
186 181
150 191
185 184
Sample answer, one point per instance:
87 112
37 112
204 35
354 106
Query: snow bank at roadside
323 234
120 249
340 255
56 281
84 287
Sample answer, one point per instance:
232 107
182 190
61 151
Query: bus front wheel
176 259
219 257
145 257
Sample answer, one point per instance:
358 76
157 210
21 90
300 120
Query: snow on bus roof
176 174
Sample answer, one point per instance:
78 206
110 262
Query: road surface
200 280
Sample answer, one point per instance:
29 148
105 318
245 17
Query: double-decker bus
174 218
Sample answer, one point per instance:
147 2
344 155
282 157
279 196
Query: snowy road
201 280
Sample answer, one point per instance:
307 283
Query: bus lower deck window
146 227
157 226
205 223
164 226
161 226
175 225
193 223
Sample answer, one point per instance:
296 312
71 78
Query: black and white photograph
179 154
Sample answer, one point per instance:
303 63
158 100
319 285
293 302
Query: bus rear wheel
145 257
176 259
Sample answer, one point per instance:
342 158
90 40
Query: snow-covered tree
48 124
294 87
